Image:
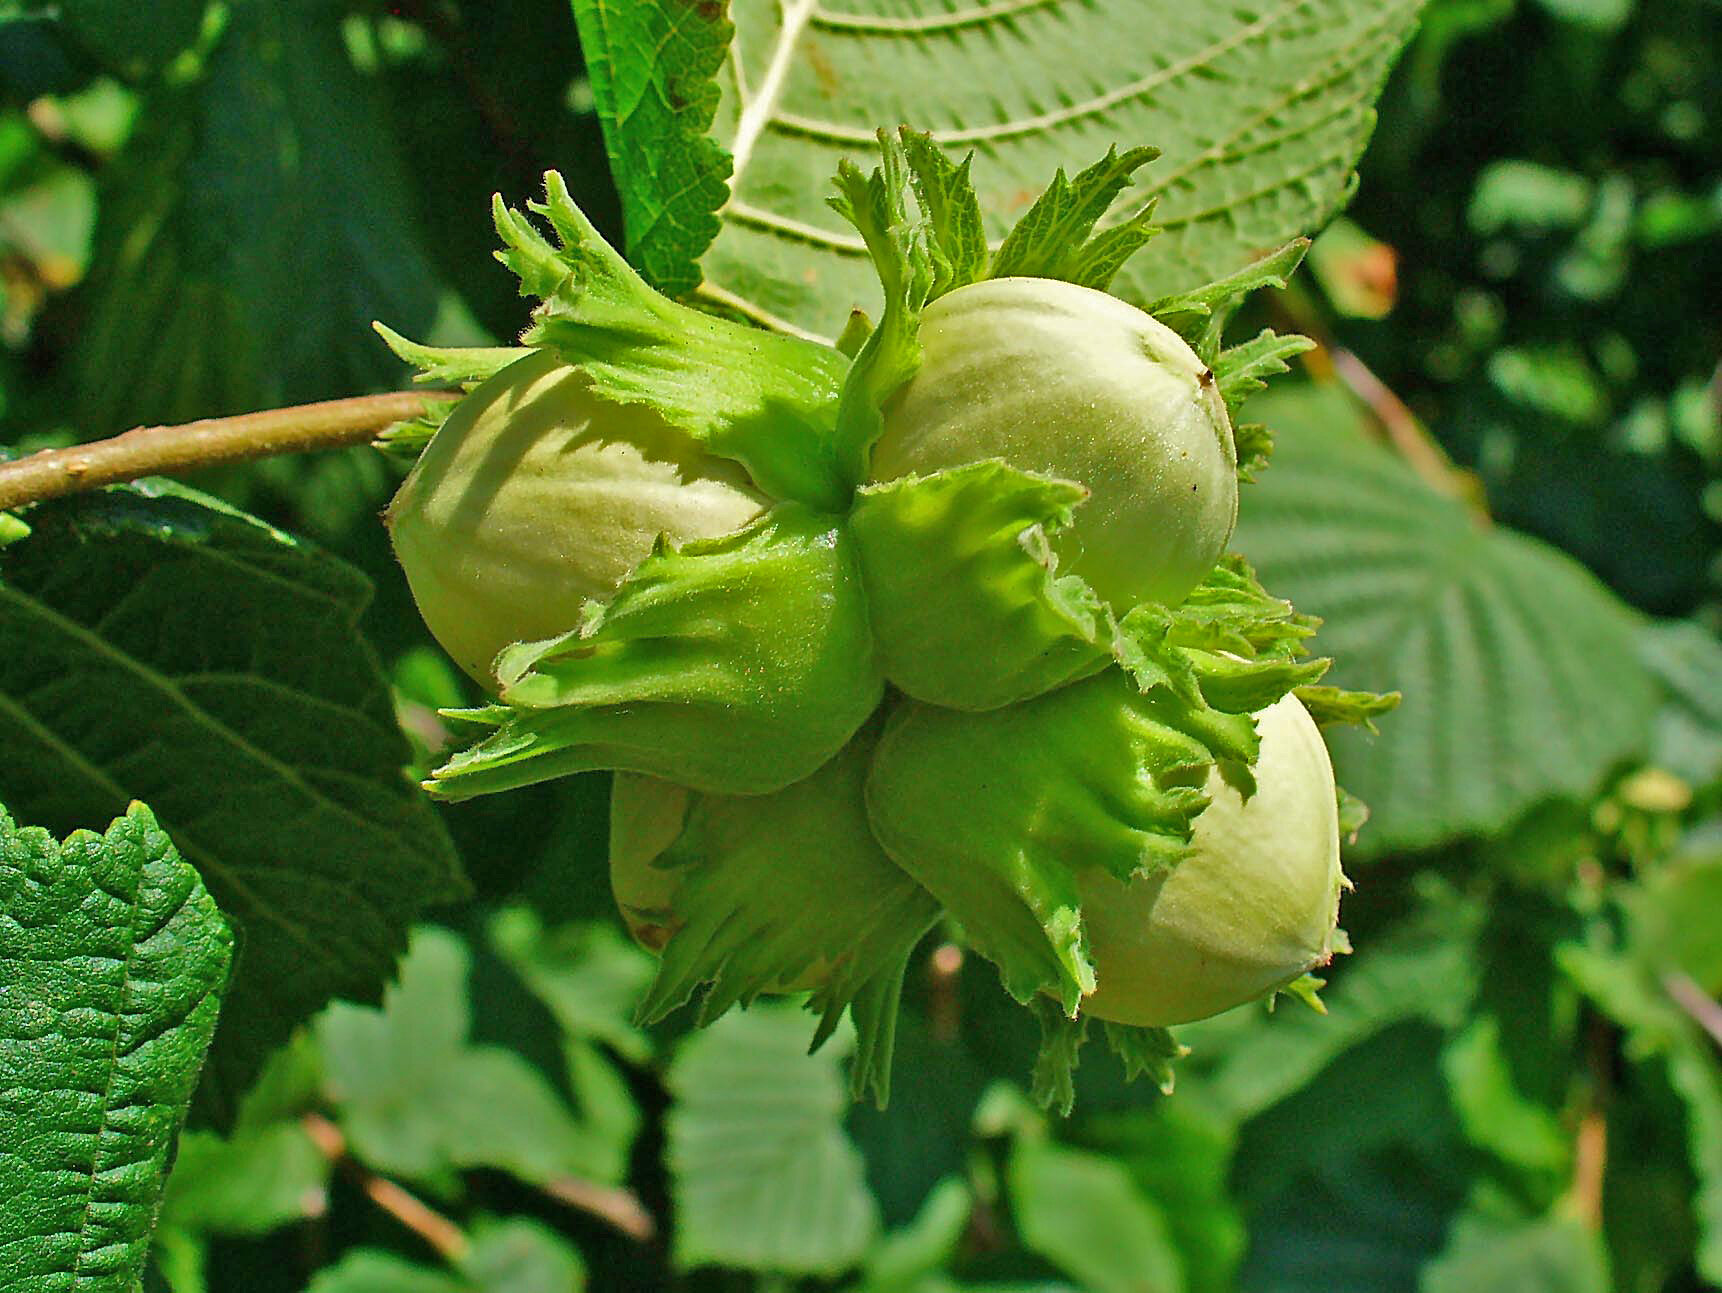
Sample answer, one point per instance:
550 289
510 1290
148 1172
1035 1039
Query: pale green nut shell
647 815
1074 383
1253 906
535 496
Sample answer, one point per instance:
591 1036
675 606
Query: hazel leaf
762 1174
260 215
512 1255
1260 114
651 69
966 601
734 665
417 1099
1086 1213
114 958
158 644
1520 675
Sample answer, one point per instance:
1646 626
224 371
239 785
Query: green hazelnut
536 496
1253 905
1069 382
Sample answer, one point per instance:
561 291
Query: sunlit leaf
1259 116
416 1098
762 1173
1084 1213
1519 670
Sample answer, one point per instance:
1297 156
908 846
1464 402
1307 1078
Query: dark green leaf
135 40
256 224
1351 1180
651 63
113 958
157 645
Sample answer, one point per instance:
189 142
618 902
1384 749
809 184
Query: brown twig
1590 1162
1590 1144
620 1208
944 1003
211 442
1697 1003
438 1231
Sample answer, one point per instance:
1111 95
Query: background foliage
1517 1083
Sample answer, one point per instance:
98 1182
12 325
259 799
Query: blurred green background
1517 1086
